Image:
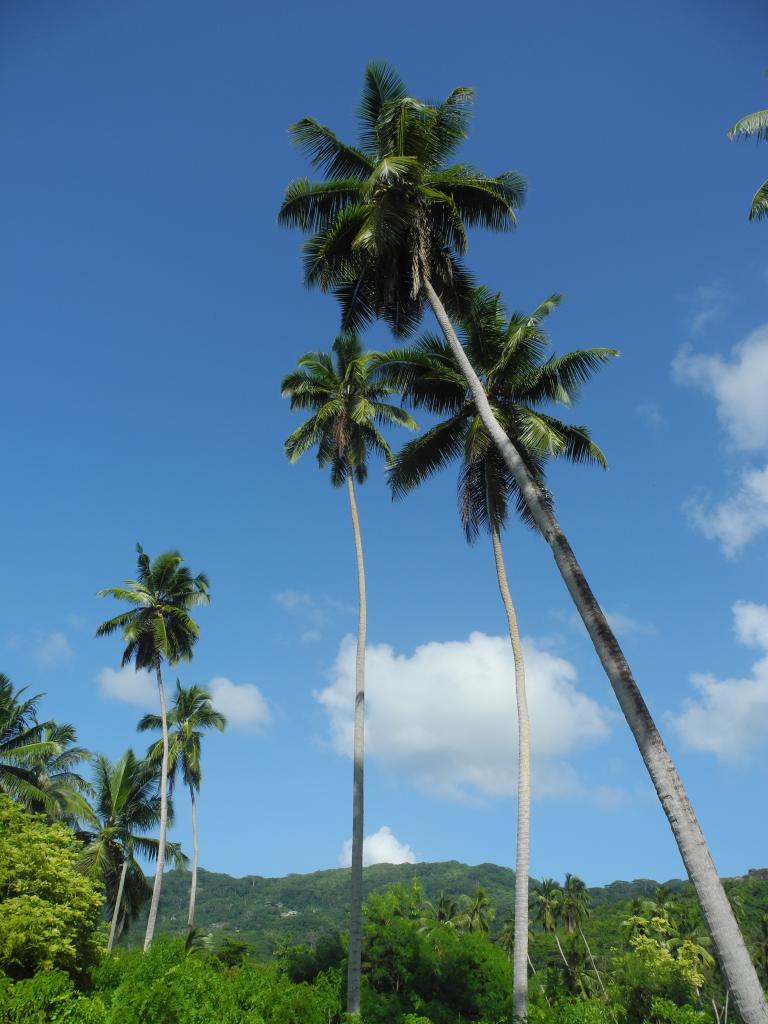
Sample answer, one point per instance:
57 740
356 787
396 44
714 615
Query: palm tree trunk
728 941
193 887
163 816
594 966
520 967
562 954
354 965
118 901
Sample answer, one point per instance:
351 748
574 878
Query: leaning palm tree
387 231
510 354
126 805
24 744
158 628
346 406
755 126
191 712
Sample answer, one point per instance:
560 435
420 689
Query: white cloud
739 386
314 611
380 848
129 686
729 718
242 704
737 520
446 715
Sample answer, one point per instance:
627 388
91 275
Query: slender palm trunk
728 941
520 967
594 966
562 954
118 901
193 887
163 816
356 908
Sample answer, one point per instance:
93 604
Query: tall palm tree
510 355
24 743
754 125
548 910
126 805
191 712
387 231
346 406
158 628
575 910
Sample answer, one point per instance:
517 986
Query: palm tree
191 712
754 125
480 912
158 628
55 774
126 805
347 406
24 743
387 232
519 380
548 912
443 913
575 908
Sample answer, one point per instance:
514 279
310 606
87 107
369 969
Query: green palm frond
759 206
752 125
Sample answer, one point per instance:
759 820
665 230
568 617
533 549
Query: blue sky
149 307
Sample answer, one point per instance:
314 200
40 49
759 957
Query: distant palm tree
548 910
445 912
191 712
24 744
480 912
347 407
126 807
521 379
754 125
575 910
158 628
387 233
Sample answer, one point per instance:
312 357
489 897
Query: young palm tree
443 913
24 743
754 125
158 628
346 406
480 912
126 804
510 354
387 232
191 712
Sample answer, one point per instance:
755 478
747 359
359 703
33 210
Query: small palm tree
24 744
510 355
191 712
480 912
444 913
347 406
158 628
754 126
126 807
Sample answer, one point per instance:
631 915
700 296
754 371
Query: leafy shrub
49 998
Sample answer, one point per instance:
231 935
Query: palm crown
158 626
24 742
510 354
394 211
191 712
756 125
347 407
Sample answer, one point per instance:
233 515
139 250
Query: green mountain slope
263 911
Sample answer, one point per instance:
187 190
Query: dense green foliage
49 910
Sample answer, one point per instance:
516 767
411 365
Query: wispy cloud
314 612
48 650
651 414
706 304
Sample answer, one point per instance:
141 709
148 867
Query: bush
48 998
